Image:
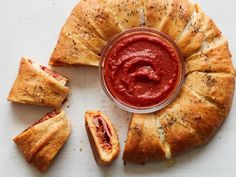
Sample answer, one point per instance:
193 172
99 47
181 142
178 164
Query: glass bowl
135 109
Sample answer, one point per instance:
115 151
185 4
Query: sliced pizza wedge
36 84
102 136
41 142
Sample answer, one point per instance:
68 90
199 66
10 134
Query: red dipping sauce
142 68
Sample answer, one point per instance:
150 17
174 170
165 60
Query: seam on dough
208 72
163 139
95 35
116 19
181 123
42 142
188 126
142 17
91 23
192 130
98 31
187 24
208 46
165 18
75 37
206 97
203 97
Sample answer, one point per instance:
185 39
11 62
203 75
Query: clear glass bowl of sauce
141 70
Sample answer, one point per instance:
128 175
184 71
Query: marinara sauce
142 69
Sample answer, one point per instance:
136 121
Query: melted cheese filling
60 79
162 135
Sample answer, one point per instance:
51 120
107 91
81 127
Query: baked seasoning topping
209 80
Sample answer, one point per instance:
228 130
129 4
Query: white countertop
30 28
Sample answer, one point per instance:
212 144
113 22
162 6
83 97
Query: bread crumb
170 162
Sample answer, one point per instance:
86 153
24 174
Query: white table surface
30 28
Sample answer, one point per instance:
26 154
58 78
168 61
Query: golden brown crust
214 56
42 141
97 15
90 25
141 132
71 52
179 134
93 23
196 113
79 42
85 36
200 28
128 13
205 100
34 86
190 121
104 142
200 108
169 17
216 87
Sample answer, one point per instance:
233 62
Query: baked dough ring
205 99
